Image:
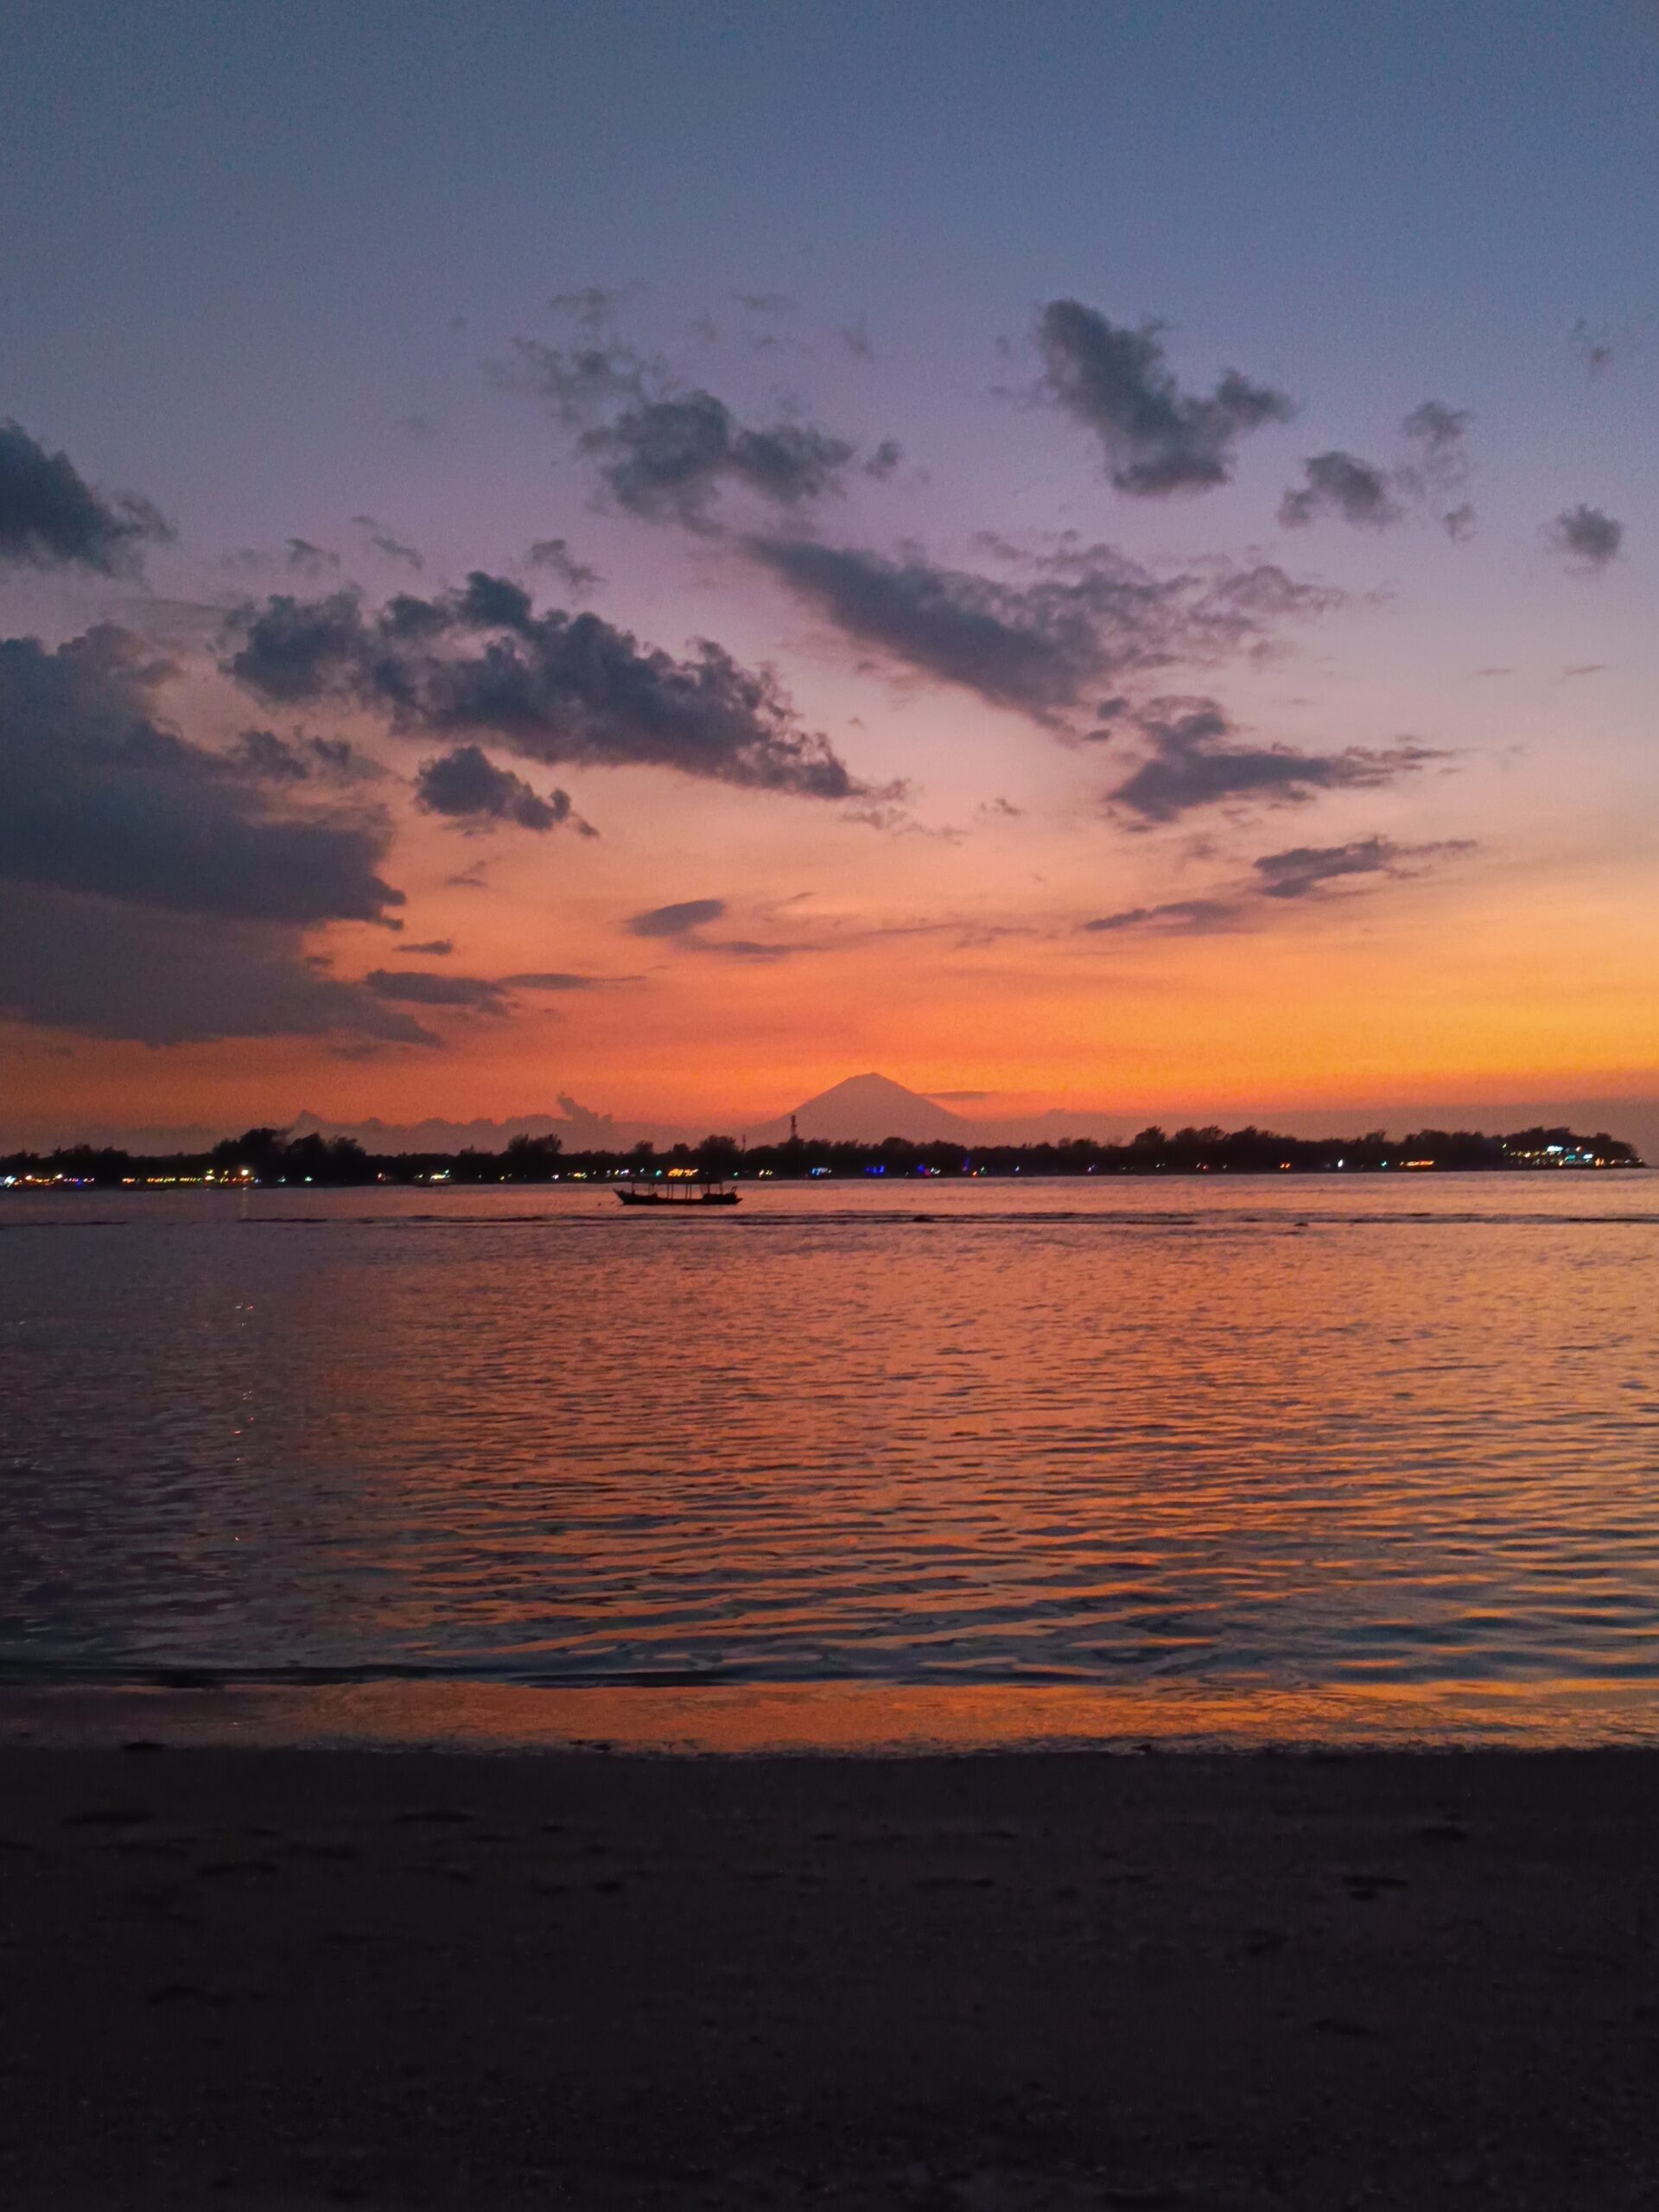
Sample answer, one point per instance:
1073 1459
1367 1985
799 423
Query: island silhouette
866 1126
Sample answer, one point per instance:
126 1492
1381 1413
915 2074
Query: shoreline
456 1716
964 1983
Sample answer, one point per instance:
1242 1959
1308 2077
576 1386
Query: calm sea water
1254 1438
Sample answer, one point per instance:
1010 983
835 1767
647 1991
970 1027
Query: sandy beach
293 1978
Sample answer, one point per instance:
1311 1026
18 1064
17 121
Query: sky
1097 559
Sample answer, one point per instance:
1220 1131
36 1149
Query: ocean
1308 1457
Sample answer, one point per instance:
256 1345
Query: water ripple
1351 1435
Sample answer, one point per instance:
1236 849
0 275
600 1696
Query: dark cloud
553 687
665 453
1364 493
856 337
1087 615
297 650
97 795
109 969
426 987
465 994
261 753
748 948
884 459
1156 438
768 302
466 785
337 757
1336 483
676 920
119 839
486 603
687 924
50 517
1012 646
272 759
1587 538
436 945
559 980
1428 481
1195 759
553 556
668 458
1176 916
1306 868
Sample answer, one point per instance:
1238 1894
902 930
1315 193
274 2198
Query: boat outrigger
678 1189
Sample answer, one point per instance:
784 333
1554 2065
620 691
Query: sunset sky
1085 556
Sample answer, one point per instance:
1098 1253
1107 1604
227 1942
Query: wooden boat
675 1191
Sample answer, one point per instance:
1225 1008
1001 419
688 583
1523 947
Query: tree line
270 1156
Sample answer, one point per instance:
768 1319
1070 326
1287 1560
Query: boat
676 1191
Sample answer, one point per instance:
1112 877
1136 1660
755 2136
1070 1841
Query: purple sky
1100 555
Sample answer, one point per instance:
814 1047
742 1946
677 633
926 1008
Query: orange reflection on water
1125 1450
833 1719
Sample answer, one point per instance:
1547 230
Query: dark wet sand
296 1978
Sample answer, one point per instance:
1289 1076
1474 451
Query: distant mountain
865 1108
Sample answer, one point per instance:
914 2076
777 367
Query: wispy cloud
1195 758
1304 869
553 556
678 920
1078 619
392 548
1176 916
426 987
1302 873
